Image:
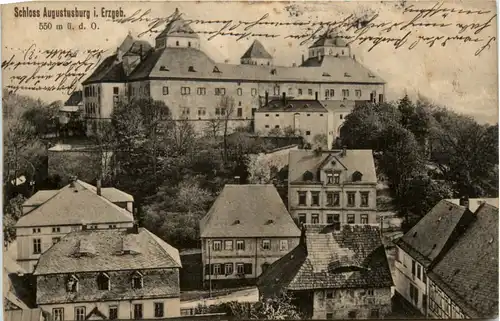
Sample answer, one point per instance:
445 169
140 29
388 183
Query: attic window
191 69
371 75
270 222
163 68
236 222
325 74
308 176
346 74
72 284
356 176
273 72
306 105
103 282
137 280
216 69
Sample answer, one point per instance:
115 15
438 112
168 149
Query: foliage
12 212
320 140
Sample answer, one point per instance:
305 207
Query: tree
12 212
226 106
320 140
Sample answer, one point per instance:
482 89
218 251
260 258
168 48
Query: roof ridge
156 238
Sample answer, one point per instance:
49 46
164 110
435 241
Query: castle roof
257 50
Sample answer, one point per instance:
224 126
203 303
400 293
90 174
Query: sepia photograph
238 160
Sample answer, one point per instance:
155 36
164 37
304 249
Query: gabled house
109 274
18 287
246 229
464 283
332 187
51 214
334 274
423 246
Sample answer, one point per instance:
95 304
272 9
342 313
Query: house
332 186
246 229
178 72
334 274
26 315
51 214
464 283
109 274
423 246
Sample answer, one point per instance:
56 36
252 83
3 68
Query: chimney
237 180
284 98
140 53
98 186
267 98
354 57
135 229
303 59
464 201
344 150
316 95
72 181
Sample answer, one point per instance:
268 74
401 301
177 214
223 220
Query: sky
450 75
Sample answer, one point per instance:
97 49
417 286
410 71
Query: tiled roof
177 27
248 211
328 259
360 160
110 193
73 206
293 105
74 99
341 105
257 50
16 287
175 62
474 203
40 197
469 270
110 70
433 233
150 253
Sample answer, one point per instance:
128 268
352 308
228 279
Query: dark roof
248 211
360 160
177 27
331 40
74 206
293 105
351 258
24 315
272 142
126 43
426 241
257 50
74 99
106 252
135 48
469 270
18 289
110 70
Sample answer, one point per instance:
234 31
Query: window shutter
248 268
207 269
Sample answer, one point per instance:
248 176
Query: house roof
332 40
110 193
74 206
257 50
175 62
23 315
110 70
16 287
177 27
360 160
135 48
293 105
433 233
469 270
341 105
248 211
326 259
474 203
149 252
74 99
40 197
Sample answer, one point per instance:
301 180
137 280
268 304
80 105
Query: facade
464 283
334 274
177 72
50 215
109 274
332 187
308 118
246 229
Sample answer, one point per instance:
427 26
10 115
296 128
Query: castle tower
329 45
177 34
256 54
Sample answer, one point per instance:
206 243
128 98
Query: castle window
201 91
216 69
345 92
189 43
254 91
72 284
137 280
165 90
177 43
277 90
300 91
239 91
103 282
185 90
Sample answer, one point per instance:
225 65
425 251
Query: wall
348 300
253 253
182 42
441 306
404 277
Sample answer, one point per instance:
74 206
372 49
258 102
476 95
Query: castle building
176 71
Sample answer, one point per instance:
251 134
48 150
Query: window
72 284
351 199
341 116
189 45
217 111
315 218
330 198
159 312
254 92
228 268
336 178
315 198
80 313
299 91
228 245
239 112
350 219
220 91
302 198
112 226
370 292
267 115
217 269
37 246
329 294
266 244
277 115
302 218
308 132
165 90
240 245
137 282
413 268
103 282
329 178
185 90
267 126
201 91
329 316
113 312
358 93
419 272
116 90
364 199
283 245
55 240
58 314
424 277
413 294
345 92
217 245
364 218
138 307
327 93
56 230
239 91
332 92
185 111
240 268
310 92
276 90
202 111
36 230
374 313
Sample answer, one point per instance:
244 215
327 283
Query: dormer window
325 74
346 74
216 69
163 68
356 176
371 75
308 176
103 282
72 284
191 69
137 280
273 71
